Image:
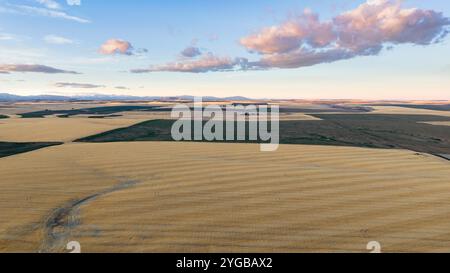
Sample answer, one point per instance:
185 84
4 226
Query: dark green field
2 116
12 148
105 116
358 130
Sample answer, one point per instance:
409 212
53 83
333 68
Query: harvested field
397 110
438 123
298 116
141 196
57 129
436 107
157 197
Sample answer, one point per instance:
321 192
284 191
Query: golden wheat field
58 129
202 197
439 123
396 110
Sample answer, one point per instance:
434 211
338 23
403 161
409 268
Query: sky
305 49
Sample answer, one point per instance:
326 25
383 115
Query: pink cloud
205 63
382 21
306 40
366 30
116 46
34 68
301 58
291 35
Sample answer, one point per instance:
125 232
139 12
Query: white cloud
57 40
74 2
51 4
6 37
78 85
29 10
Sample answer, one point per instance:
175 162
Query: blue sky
254 48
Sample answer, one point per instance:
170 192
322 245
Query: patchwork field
146 197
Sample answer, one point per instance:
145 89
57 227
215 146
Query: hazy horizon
222 97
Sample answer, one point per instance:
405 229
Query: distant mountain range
5 97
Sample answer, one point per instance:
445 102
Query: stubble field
219 197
